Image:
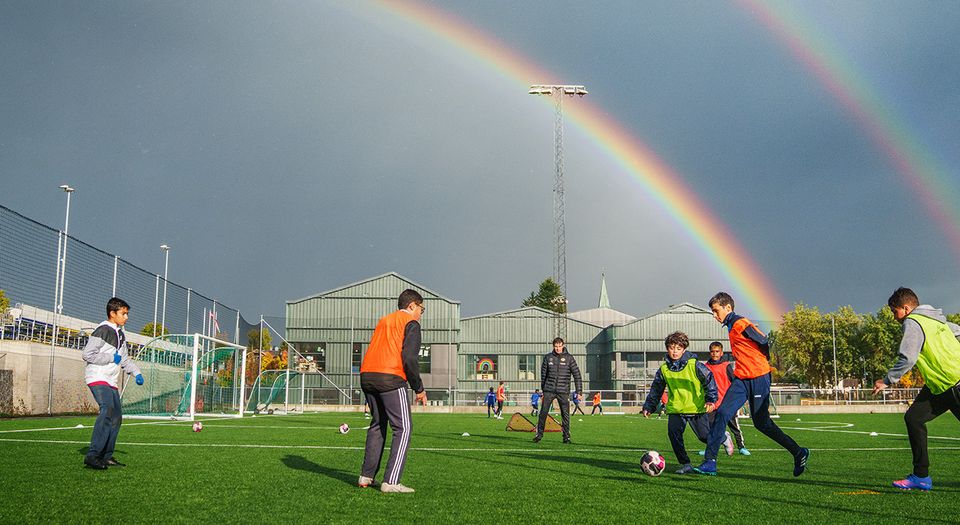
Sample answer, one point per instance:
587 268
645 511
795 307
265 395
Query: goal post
185 376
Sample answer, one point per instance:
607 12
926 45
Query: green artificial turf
282 469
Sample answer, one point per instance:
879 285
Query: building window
424 359
528 367
314 357
357 357
484 367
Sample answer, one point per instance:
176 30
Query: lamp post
58 291
166 262
836 378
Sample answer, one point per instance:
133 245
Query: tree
148 330
4 304
549 297
254 337
801 343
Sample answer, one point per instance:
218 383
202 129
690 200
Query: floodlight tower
559 229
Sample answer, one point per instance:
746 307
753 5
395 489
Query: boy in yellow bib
930 343
693 395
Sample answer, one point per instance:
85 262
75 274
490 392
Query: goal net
185 376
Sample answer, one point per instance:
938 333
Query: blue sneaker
744 451
707 468
800 461
914 482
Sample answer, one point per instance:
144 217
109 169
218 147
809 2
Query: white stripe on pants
393 408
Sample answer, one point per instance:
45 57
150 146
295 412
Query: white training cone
465 434
873 434
78 426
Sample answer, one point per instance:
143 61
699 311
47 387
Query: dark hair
721 298
491 389
716 344
903 297
409 296
115 304
557 340
677 338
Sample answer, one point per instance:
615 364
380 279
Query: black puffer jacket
555 373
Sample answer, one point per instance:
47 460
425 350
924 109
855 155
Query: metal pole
156 299
116 263
260 360
836 380
166 262
187 330
53 338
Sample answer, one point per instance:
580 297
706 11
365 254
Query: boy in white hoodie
106 354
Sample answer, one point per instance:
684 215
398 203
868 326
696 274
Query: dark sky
287 148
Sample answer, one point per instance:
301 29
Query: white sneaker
728 444
364 482
389 487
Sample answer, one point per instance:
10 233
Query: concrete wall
29 363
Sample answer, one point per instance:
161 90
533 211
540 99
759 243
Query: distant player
576 403
106 355
929 343
693 395
491 401
535 402
723 375
501 397
596 404
751 382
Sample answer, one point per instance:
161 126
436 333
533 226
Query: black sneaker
536 439
566 441
800 461
114 463
94 463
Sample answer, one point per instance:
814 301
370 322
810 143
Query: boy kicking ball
693 395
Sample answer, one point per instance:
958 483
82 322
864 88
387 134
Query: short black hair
721 298
903 297
557 340
115 304
409 296
677 338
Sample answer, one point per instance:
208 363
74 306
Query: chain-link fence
28 272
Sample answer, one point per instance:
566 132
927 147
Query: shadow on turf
304 464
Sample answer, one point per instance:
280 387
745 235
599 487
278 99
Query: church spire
604 300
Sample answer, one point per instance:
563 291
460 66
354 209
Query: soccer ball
652 463
344 428
197 426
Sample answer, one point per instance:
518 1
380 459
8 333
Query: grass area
300 469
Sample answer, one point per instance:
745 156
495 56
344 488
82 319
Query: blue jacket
535 398
491 398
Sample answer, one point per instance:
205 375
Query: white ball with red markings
344 428
197 426
652 463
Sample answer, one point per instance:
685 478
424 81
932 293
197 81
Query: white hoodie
106 341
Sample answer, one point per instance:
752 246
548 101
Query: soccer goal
186 376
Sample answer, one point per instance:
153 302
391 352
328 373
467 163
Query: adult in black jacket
555 374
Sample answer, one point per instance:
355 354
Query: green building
463 358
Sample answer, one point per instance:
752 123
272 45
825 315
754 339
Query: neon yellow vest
686 392
939 360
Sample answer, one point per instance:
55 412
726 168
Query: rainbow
720 246
922 173
486 365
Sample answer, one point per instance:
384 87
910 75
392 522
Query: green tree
549 297
880 336
953 318
4 304
254 337
148 330
801 343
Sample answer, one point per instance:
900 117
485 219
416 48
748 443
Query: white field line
427 449
178 423
834 425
